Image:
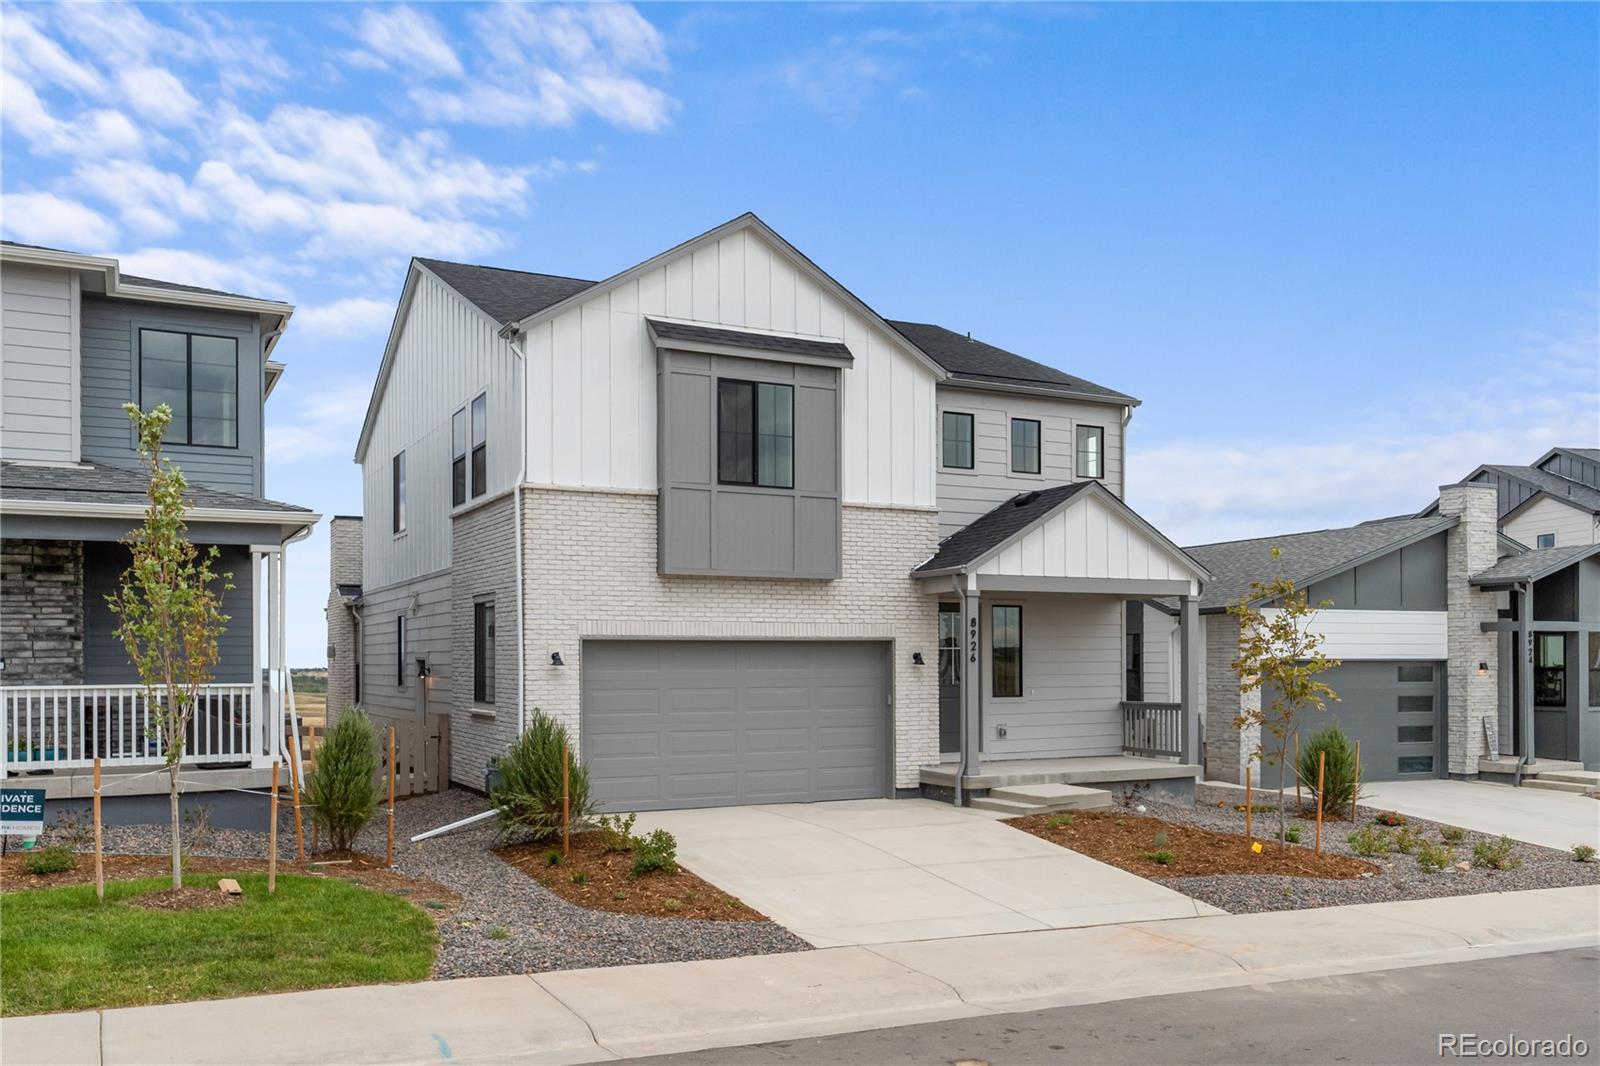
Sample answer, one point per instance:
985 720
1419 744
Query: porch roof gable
1532 565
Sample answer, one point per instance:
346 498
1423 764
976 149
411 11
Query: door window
1550 669
949 644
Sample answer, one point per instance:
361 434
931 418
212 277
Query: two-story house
80 339
749 539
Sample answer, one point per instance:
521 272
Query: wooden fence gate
421 754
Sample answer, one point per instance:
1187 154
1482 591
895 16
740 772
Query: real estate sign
21 812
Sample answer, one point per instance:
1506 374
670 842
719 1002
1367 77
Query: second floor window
397 490
957 449
469 447
1024 446
198 377
1091 451
755 434
1546 540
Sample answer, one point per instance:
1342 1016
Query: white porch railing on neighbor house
65 727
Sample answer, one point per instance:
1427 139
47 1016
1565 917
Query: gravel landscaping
504 923
1401 877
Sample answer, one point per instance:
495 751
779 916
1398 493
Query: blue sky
1343 253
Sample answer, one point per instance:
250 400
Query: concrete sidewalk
597 1015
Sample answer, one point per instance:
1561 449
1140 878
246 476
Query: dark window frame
1550 680
397 492
1540 538
950 653
1077 451
1037 446
1133 669
994 673
400 650
483 658
458 457
188 440
479 463
753 434
971 441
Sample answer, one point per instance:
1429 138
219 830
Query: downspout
514 338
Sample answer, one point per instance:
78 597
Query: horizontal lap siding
1571 525
427 637
38 401
1071 679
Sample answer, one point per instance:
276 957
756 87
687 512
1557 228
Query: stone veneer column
41 612
1473 698
1228 748
344 568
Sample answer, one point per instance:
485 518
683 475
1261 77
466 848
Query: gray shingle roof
989 531
1574 492
1533 565
506 295
97 483
981 363
764 342
1235 564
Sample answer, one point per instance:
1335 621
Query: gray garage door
1397 711
705 724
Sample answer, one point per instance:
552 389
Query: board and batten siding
1085 538
1571 525
592 374
965 495
447 353
1071 679
1392 635
111 378
39 366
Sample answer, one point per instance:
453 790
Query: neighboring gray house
752 541
1554 503
1433 618
80 339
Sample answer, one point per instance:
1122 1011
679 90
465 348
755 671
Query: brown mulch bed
1124 840
605 882
187 898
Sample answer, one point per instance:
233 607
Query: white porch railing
65 727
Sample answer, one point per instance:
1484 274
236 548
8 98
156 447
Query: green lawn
60 950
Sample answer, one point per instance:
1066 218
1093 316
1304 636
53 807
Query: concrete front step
1587 778
1010 807
1507 764
1555 786
1043 799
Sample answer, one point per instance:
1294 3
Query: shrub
1495 854
342 792
1407 840
616 832
1059 820
1370 840
1160 841
499 932
672 904
1161 857
1292 834
580 878
1452 834
1582 853
1434 857
1389 818
658 851
528 799
57 858
552 857
1339 776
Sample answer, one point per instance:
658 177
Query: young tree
170 606
1280 653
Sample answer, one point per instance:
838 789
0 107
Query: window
1415 672
1005 648
1550 669
483 652
397 491
1091 451
1416 734
470 423
1135 680
1545 540
1415 705
755 434
198 377
957 450
357 699
1024 446
1415 764
400 650
949 644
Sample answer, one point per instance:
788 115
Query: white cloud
840 76
90 133
44 218
157 95
256 275
389 229
149 200
27 50
354 316
409 39
324 423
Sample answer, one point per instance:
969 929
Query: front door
1550 695
949 678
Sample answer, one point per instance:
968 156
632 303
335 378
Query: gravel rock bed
506 922
1403 878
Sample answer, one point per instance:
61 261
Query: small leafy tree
170 607
1280 652
342 793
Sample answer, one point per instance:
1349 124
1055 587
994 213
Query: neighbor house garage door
1396 710
705 724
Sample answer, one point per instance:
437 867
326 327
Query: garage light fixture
916 658
1483 669
555 659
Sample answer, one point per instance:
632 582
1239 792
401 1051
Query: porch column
971 690
1525 670
274 717
1189 676
258 728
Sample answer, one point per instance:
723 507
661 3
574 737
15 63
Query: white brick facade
483 569
1228 748
1473 698
344 567
590 571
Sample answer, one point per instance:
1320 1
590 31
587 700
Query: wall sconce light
422 669
1483 669
555 659
916 658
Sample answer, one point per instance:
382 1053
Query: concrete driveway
887 871
1536 816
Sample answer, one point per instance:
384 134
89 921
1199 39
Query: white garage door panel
693 724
